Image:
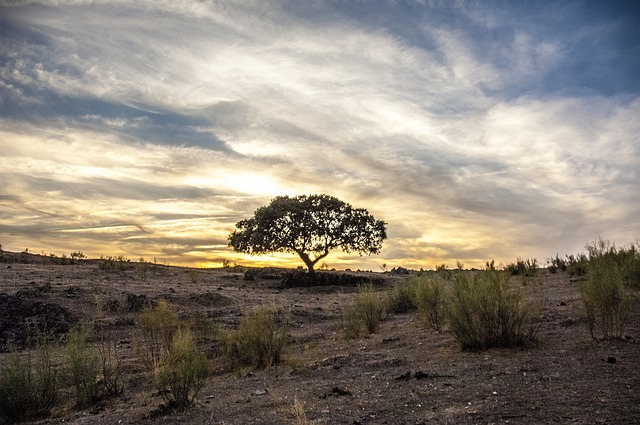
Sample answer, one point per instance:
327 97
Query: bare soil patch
406 373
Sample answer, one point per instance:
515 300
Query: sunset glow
477 131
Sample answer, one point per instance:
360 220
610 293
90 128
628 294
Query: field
404 373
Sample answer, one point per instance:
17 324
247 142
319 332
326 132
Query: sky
477 130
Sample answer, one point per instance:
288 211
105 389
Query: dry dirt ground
405 373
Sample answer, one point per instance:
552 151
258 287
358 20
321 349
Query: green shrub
183 371
556 264
485 313
577 265
365 315
431 300
28 385
402 298
528 267
605 300
259 341
83 361
156 327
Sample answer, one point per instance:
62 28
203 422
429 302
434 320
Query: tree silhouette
309 226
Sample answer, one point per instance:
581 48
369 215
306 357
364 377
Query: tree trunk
307 261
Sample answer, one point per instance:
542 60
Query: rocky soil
406 373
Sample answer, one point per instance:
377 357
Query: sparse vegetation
156 326
431 300
183 371
28 385
83 360
605 297
365 315
402 298
486 313
259 341
521 267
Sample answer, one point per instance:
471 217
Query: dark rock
339 392
22 320
611 359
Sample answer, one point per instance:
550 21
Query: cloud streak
477 132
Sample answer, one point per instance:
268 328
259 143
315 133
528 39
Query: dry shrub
183 371
83 362
259 341
28 385
156 327
605 299
486 313
365 315
402 298
431 300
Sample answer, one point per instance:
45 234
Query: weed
183 371
365 315
259 340
605 300
298 413
83 362
528 267
485 313
156 329
554 265
401 299
110 361
28 385
431 301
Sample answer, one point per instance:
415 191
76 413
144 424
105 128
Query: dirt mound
23 319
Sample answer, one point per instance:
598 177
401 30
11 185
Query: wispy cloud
150 128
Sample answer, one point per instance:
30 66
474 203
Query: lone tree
309 226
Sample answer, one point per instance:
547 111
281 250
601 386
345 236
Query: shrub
183 371
485 313
402 298
83 361
365 315
156 329
557 264
110 361
431 301
606 302
259 340
577 265
28 385
528 267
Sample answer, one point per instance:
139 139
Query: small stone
611 359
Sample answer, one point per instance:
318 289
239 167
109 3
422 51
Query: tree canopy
309 226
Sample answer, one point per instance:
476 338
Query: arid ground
405 373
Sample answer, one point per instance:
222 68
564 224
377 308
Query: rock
611 359
24 319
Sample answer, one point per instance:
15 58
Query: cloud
477 132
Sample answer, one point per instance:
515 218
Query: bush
156 329
259 340
557 264
183 371
83 361
365 315
110 361
28 385
577 265
528 267
604 298
402 298
485 313
431 300
626 260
